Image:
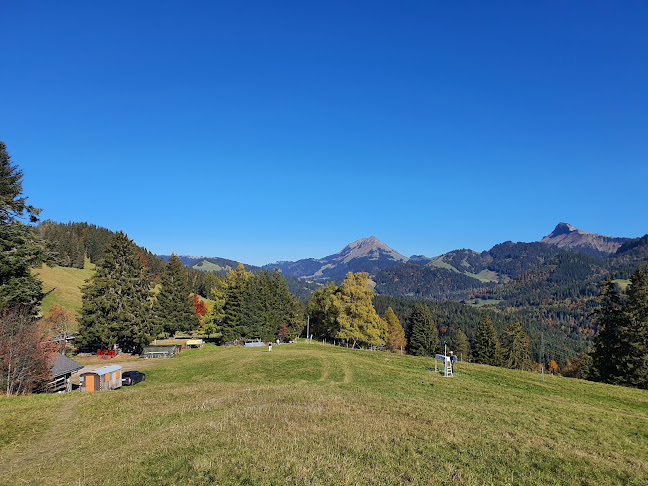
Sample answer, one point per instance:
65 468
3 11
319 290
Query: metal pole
307 327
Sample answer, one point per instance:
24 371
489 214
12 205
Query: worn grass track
313 414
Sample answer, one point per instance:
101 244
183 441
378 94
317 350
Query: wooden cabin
62 370
106 378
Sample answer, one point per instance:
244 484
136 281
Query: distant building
160 351
106 378
62 370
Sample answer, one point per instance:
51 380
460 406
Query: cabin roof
106 369
64 365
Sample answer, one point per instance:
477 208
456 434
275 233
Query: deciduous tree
356 317
395 333
25 356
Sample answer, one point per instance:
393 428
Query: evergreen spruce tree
460 345
174 307
234 325
487 347
423 338
116 303
20 246
395 333
515 348
607 353
633 336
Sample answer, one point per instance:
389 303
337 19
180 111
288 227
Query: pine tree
116 303
610 317
423 338
20 246
395 333
633 336
487 347
515 348
236 288
174 306
460 345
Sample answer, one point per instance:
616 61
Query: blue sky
264 131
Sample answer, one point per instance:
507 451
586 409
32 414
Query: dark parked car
132 377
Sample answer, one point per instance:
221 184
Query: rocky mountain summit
365 255
566 236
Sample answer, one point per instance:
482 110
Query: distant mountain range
498 264
454 275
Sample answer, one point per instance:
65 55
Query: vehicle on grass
132 377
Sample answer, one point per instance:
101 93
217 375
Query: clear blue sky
264 131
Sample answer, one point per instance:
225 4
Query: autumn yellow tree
395 333
357 319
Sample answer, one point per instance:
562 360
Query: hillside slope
312 414
63 286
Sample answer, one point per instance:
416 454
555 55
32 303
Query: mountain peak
371 248
562 229
567 236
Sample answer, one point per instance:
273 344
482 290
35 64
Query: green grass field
314 414
63 286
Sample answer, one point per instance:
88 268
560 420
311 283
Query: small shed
106 378
254 343
62 369
160 351
194 343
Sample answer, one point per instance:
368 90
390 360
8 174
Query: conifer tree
633 336
116 302
236 289
515 347
423 338
395 333
487 346
20 246
607 352
174 307
356 317
460 345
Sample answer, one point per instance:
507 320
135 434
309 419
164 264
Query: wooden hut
62 370
106 378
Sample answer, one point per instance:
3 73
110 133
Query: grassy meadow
315 414
63 286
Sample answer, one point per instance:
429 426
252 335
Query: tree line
619 354
122 308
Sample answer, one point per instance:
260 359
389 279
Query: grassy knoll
313 414
64 286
